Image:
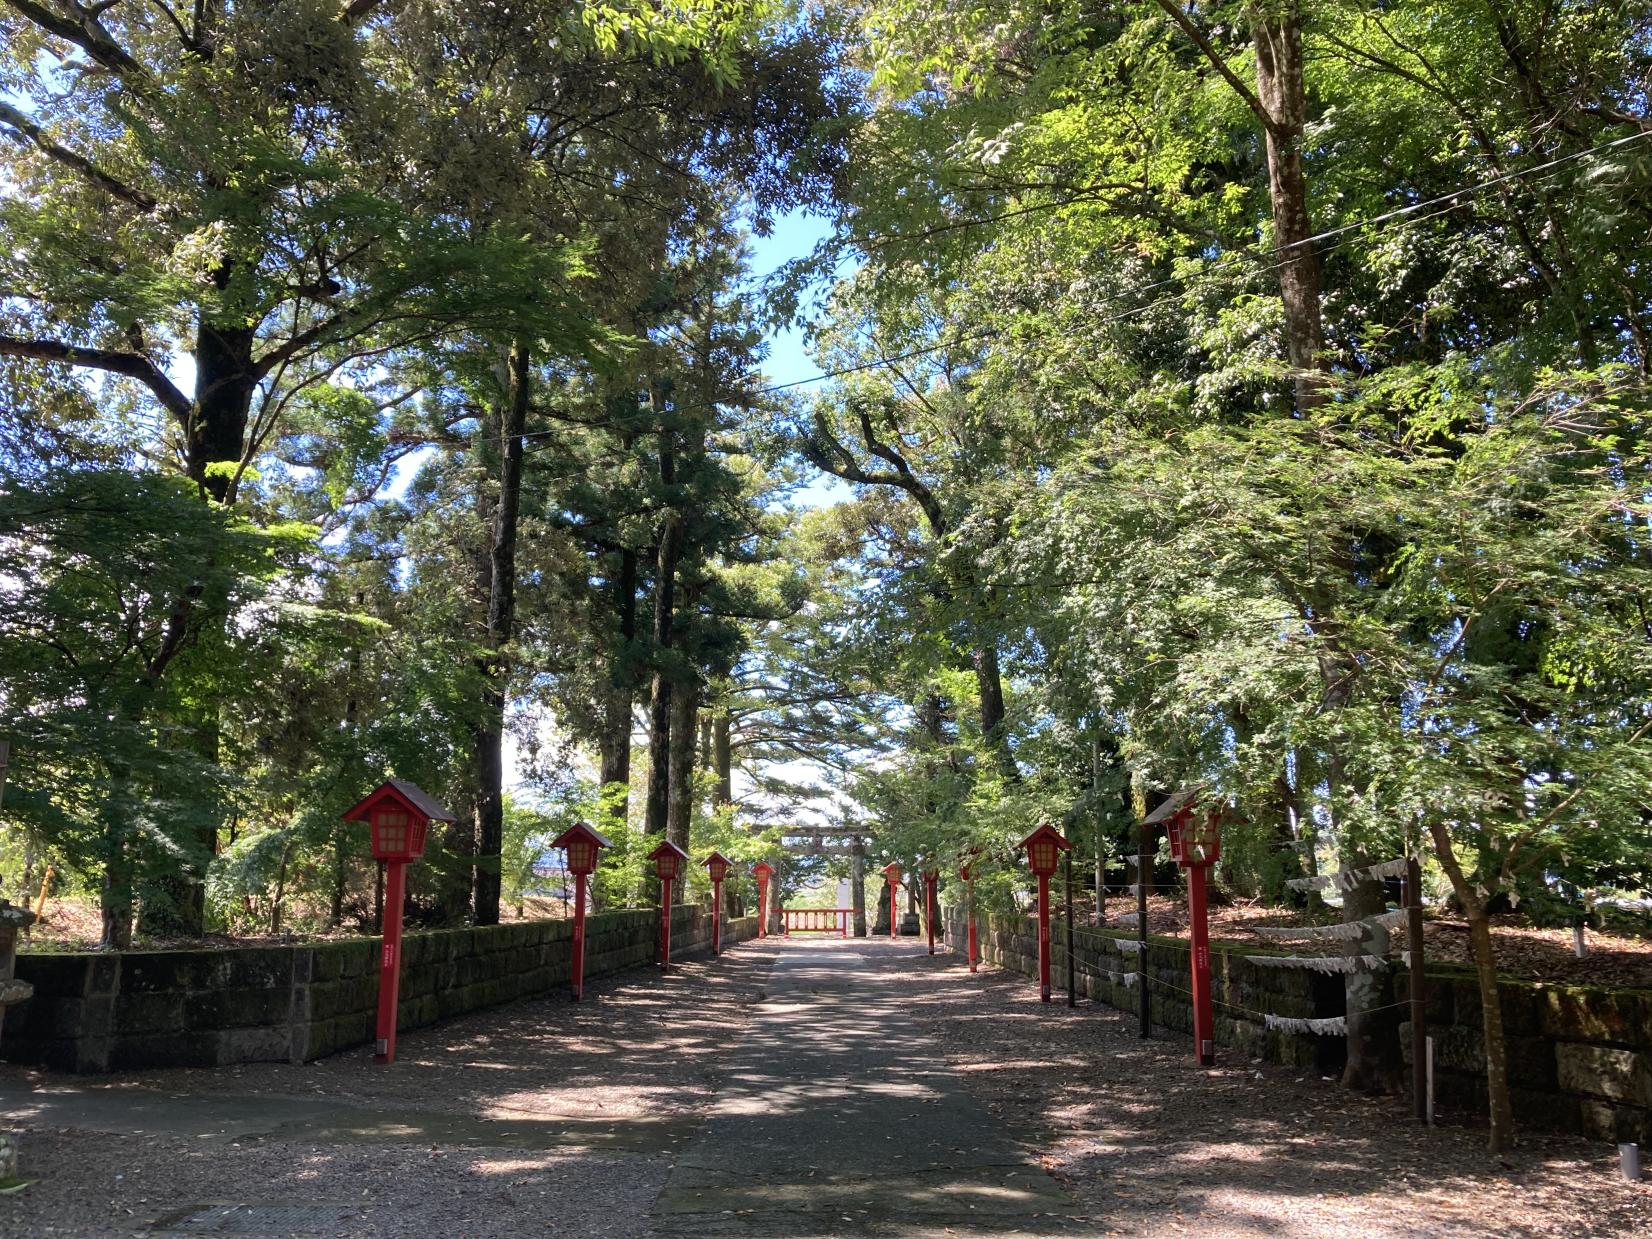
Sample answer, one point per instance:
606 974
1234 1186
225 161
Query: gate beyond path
816 920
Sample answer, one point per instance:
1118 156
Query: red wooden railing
817 920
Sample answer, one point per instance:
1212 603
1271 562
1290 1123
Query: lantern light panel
581 855
582 844
668 860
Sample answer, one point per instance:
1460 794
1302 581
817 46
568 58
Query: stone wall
1580 1057
1239 987
94 1011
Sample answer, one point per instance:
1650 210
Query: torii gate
837 842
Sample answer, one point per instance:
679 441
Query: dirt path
1153 1145
791 1088
542 1117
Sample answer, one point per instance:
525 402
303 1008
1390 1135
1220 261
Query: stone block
160 972
144 1012
1459 1048
1522 1008
1532 1064
254 1045
54 976
327 961
1604 1120
1604 1071
1584 1013
236 1008
171 1049
256 968
417 1012
1547 1109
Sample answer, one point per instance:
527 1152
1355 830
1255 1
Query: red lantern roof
582 843
668 860
717 866
409 795
1043 846
397 813
763 869
892 871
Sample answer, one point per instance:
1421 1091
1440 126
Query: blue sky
794 236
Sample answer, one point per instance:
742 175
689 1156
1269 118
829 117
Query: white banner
1336 1026
1349 878
1327 964
1350 932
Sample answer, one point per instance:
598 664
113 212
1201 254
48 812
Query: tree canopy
1250 394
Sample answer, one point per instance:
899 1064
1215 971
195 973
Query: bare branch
1203 43
86 33
132 365
26 128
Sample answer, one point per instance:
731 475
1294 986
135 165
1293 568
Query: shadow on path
839 1115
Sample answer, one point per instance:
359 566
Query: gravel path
610 1117
1153 1145
590 1102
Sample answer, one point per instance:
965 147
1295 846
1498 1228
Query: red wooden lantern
1044 847
1197 846
762 871
668 861
717 867
1193 842
397 814
582 844
892 875
966 873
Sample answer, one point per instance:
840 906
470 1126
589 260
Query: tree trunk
1501 1135
685 705
1276 35
115 893
722 758
278 899
501 619
225 380
989 683
1101 842
665 602
614 744
857 885
1373 1021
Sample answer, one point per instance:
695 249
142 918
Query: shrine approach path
795 1087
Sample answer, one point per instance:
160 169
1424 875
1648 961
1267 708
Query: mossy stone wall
1580 1057
94 1011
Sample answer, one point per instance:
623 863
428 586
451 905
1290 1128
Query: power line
1410 214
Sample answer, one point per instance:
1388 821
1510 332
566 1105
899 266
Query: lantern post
1044 846
931 879
892 875
397 814
1196 848
762 871
717 866
583 845
668 861
966 874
